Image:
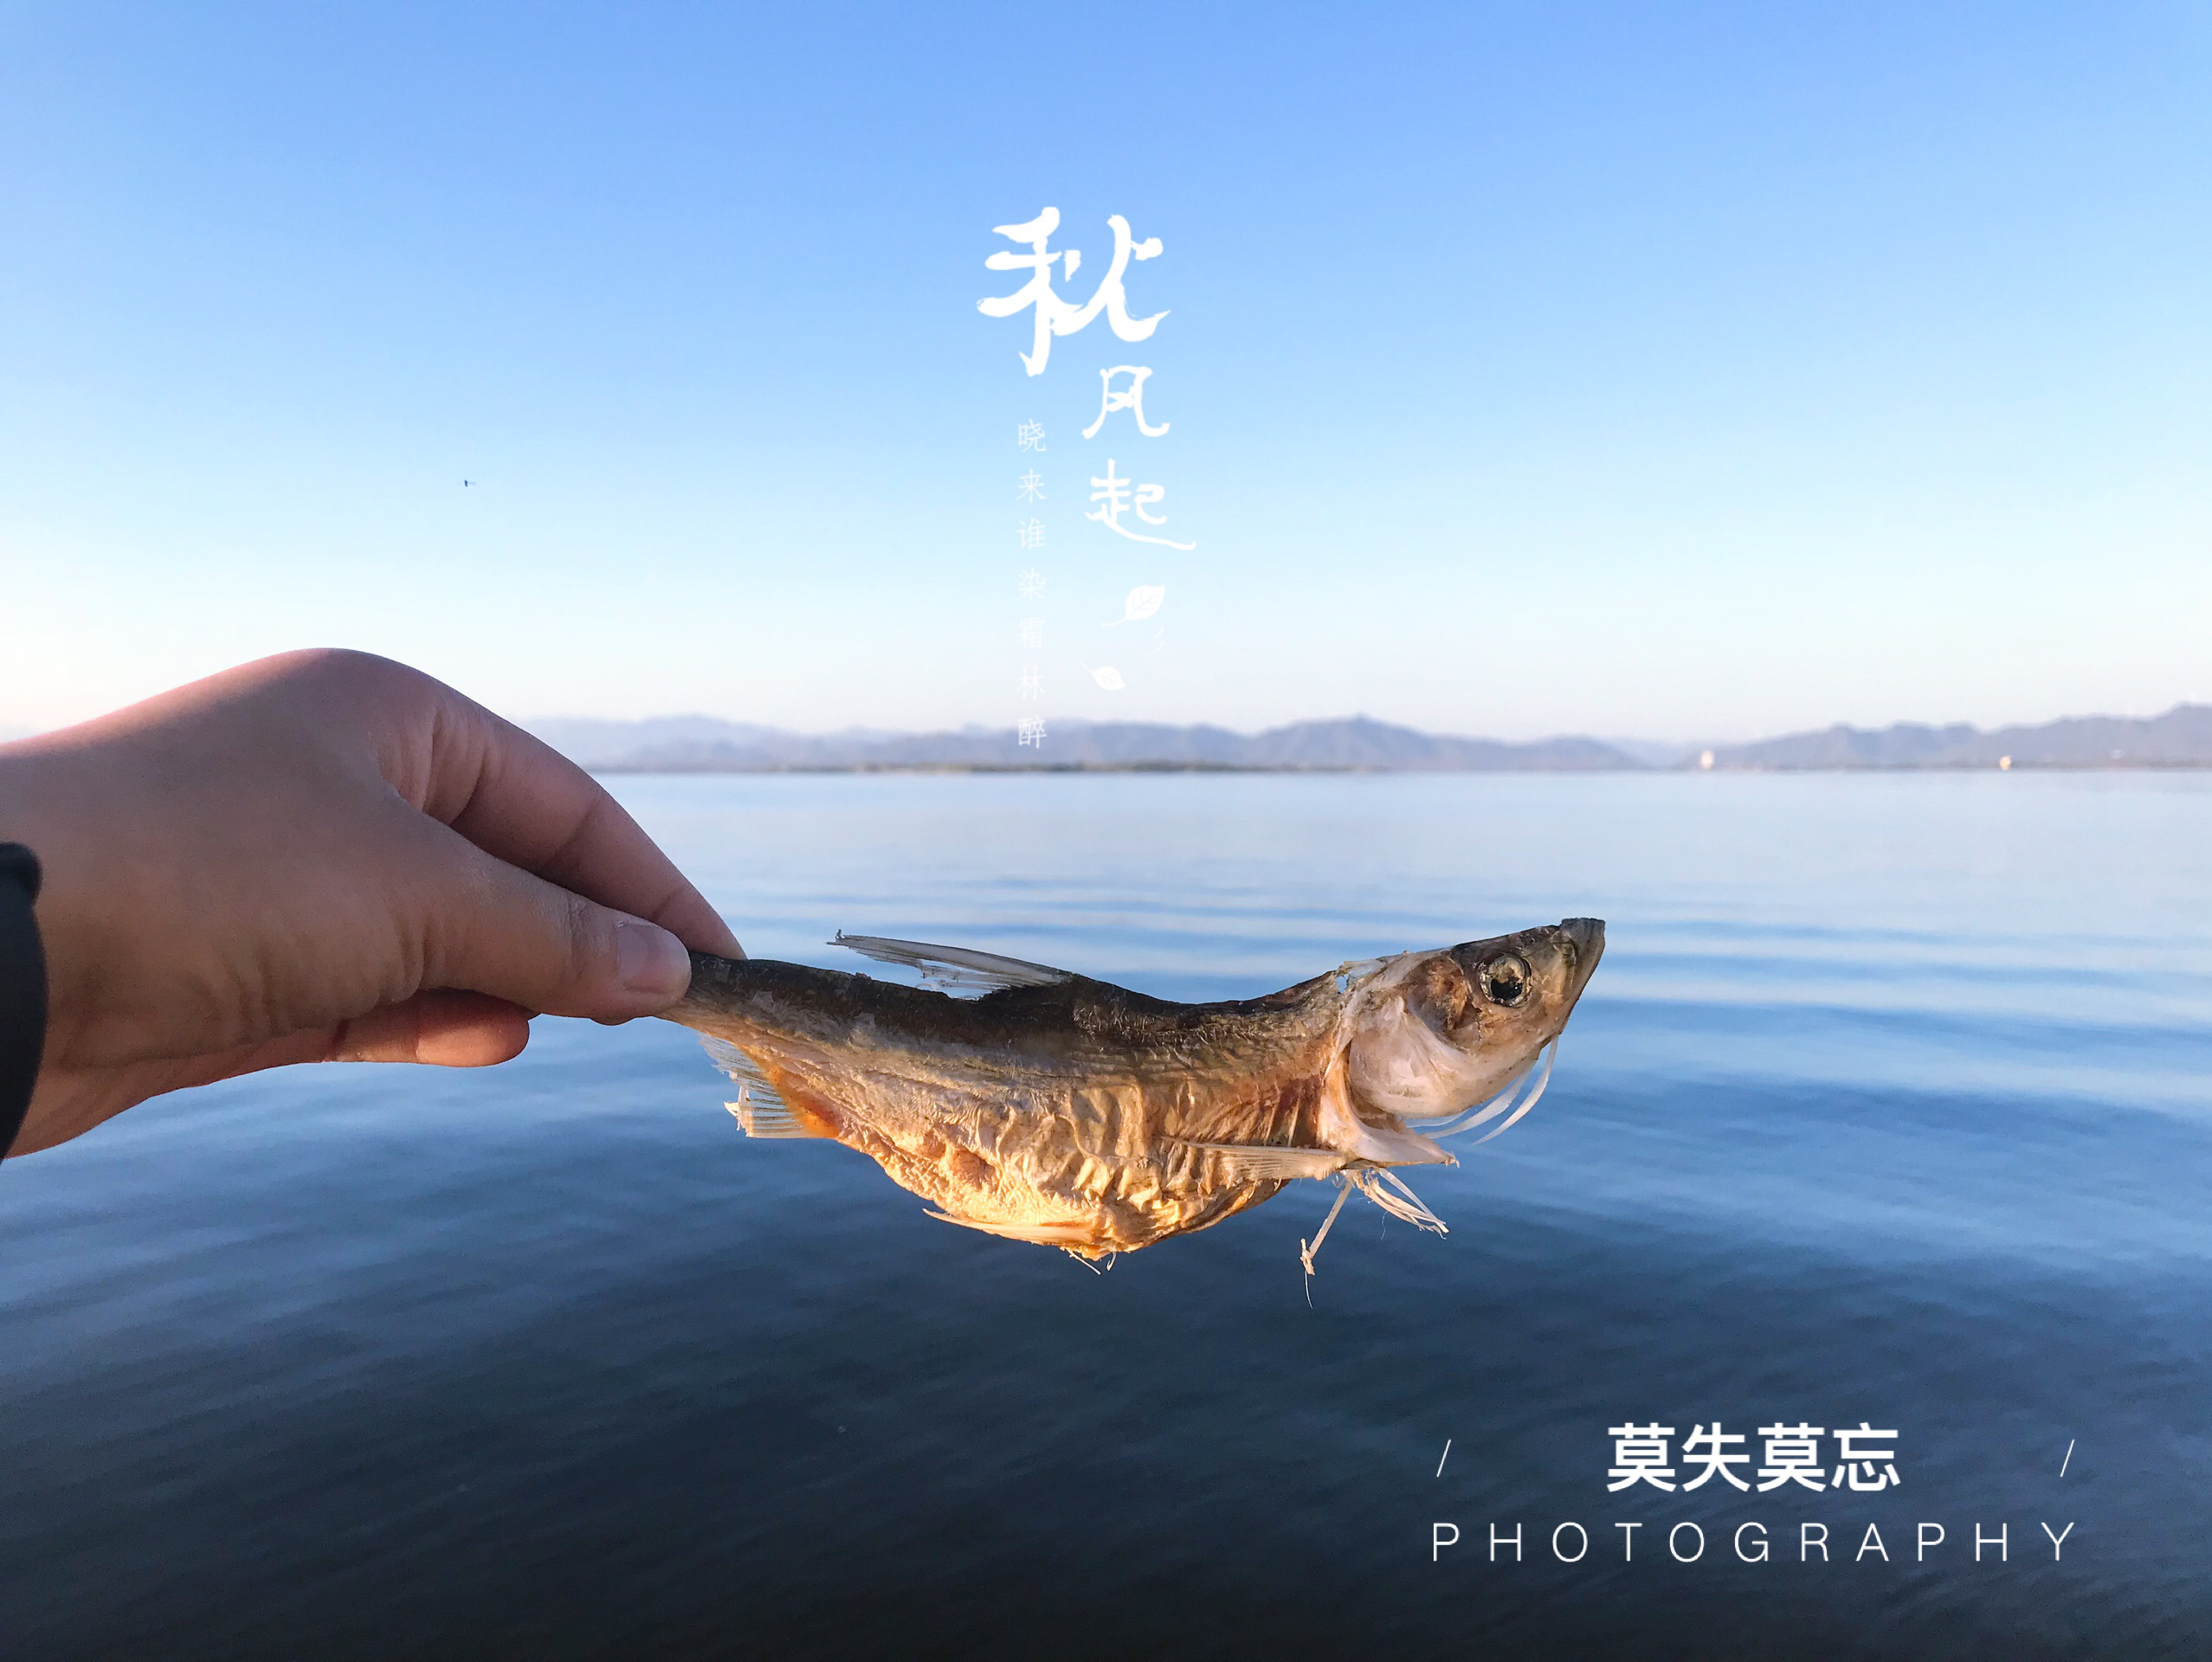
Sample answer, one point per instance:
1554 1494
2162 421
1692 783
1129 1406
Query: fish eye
1505 981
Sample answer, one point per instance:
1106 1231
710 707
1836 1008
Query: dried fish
1057 1109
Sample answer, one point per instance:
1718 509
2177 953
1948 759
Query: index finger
520 800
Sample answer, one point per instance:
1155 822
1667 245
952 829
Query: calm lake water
1892 1102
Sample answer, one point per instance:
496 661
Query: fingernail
650 960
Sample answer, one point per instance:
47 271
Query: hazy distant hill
702 745
2180 739
705 743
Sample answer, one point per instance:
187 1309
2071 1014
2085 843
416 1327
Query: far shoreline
616 769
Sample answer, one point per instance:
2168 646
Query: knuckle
585 929
355 676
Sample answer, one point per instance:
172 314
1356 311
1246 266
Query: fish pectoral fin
955 969
1069 1232
758 1108
1258 1161
1377 1185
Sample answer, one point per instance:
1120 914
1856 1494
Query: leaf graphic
1144 600
1109 678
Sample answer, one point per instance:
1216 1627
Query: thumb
532 943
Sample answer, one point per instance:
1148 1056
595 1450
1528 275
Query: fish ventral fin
1252 1162
955 969
759 1109
1071 1233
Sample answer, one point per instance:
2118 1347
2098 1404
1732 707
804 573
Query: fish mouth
1586 937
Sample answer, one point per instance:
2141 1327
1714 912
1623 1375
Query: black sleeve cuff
22 988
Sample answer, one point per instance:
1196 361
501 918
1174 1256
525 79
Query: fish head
1431 1034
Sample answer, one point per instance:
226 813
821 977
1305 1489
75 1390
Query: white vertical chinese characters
1131 505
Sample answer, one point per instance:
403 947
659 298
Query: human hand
325 856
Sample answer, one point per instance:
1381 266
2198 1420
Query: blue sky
1679 371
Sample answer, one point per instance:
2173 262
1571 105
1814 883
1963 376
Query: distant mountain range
700 744
2180 739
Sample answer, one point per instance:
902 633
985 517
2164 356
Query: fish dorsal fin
955 969
758 1108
